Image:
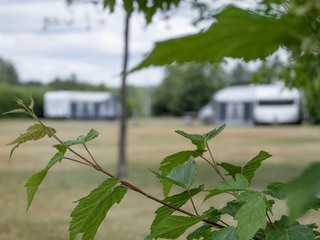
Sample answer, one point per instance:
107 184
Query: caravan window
275 102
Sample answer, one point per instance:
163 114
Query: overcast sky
45 39
85 40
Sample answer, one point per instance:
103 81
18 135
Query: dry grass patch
292 147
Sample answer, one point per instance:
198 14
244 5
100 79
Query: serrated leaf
231 208
184 174
316 233
173 227
301 191
56 158
196 139
20 102
252 214
33 184
171 161
250 168
18 110
237 33
316 205
177 200
34 132
31 103
228 233
92 134
200 232
240 184
231 169
92 209
208 136
275 190
60 147
296 232
212 214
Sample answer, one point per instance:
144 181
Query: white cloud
94 54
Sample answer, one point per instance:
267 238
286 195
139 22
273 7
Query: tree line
188 87
185 88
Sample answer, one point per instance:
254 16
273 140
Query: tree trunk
122 161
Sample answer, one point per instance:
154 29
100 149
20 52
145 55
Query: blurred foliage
9 92
304 73
148 8
8 73
187 88
74 83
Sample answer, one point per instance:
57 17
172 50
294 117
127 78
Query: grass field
292 147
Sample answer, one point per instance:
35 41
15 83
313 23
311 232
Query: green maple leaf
239 184
183 175
237 33
33 184
196 139
173 226
171 162
228 233
177 200
92 209
252 214
302 191
92 134
34 132
296 232
250 168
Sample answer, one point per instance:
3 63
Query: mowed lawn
292 147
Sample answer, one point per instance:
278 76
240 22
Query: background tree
8 73
74 83
149 9
269 71
240 75
187 88
255 34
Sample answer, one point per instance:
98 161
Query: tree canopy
8 73
187 88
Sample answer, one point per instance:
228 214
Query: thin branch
215 163
138 190
227 225
61 142
77 161
100 169
192 202
214 167
270 221
85 146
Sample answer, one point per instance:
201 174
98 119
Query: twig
77 161
270 221
209 162
61 142
138 190
215 163
85 146
192 202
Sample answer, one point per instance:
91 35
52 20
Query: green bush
9 92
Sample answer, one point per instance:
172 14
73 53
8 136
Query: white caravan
81 105
258 104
